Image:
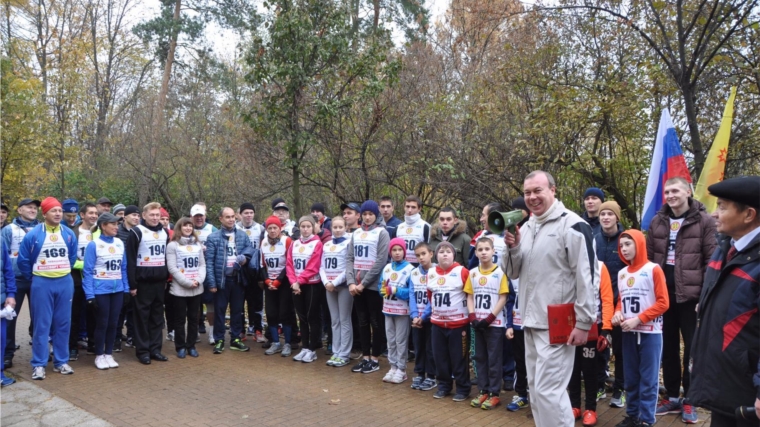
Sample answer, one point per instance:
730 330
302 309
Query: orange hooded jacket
662 301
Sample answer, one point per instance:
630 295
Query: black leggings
308 306
279 305
369 310
585 362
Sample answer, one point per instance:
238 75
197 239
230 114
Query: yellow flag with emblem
715 163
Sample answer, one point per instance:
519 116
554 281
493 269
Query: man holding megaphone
553 256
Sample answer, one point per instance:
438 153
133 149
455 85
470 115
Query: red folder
562 322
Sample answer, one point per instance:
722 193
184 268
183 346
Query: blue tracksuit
50 300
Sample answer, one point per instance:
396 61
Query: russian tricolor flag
667 162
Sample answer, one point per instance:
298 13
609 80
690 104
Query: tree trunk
296 187
158 121
690 109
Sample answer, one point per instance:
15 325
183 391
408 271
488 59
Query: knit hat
593 191
164 213
131 209
118 208
319 207
245 206
370 206
612 206
273 220
308 218
397 241
519 203
445 245
50 203
70 206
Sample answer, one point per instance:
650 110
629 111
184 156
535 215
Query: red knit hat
397 241
273 220
164 213
50 203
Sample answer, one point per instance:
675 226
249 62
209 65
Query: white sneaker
309 357
286 350
111 362
389 376
170 336
211 340
399 377
38 373
64 369
101 362
299 357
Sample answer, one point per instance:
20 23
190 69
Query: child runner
304 259
419 306
104 279
339 300
187 265
451 327
278 300
395 292
643 300
367 256
586 355
487 290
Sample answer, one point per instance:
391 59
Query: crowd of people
429 295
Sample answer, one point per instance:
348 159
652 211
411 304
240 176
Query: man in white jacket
554 258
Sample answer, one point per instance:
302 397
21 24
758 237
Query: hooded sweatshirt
642 288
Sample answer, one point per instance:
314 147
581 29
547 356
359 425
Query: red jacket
310 275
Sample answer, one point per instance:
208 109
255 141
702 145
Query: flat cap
744 190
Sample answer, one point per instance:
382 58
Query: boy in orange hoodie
586 355
643 300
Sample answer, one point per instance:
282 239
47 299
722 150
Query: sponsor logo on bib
675 226
423 279
155 235
441 280
102 273
482 281
301 249
409 230
89 238
248 232
363 235
111 250
272 249
394 276
147 258
630 281
333 248
53 237
189 248
43 262
181 270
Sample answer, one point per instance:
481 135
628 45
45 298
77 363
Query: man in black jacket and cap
725 368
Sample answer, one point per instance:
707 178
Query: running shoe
428 384
518 403
101 362
589 418
64 369
399 377
219 347
668 406
299 357
370 367
477 402
38 373
490 403
275 348
309 357
417 382
238 345
618 399
286 350
689 414
359 366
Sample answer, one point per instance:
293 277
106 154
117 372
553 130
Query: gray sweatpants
397 334
340 302
549 370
